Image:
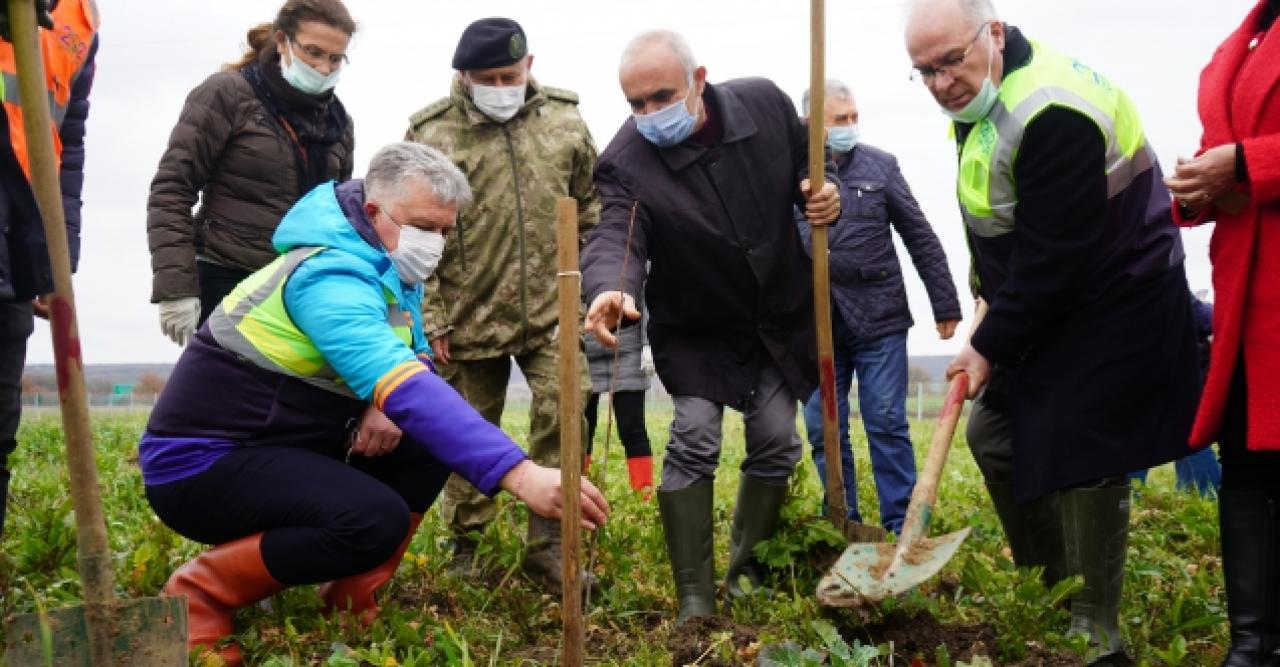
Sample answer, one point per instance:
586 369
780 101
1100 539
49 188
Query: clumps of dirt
922 634
708 640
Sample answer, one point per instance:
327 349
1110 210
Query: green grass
1173 610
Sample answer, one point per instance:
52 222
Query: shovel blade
869 573
147 631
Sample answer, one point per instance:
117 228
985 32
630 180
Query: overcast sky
153 52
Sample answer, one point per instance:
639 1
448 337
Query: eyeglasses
928 74
336 60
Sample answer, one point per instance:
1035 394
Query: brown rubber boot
542 556
216 583
356 593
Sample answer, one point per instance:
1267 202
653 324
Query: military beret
492 42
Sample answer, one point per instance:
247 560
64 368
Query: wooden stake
569 283
93 556
837 508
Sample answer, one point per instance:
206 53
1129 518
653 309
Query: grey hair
832 89
977 11
395 164
672 40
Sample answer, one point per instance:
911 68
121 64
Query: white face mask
498 102
417 254
305 77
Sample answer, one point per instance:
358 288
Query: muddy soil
713 641
921 635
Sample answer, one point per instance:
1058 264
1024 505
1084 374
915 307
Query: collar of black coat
1017 53
736 125
533 98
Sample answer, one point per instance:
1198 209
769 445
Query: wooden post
569 283
837 508
93 556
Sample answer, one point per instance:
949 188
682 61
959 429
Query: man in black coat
710 174
1088 351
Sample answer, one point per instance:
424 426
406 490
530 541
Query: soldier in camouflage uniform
494 297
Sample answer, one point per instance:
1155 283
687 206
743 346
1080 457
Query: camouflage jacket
494 292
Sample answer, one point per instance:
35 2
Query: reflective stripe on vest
252 322
65 50
985 186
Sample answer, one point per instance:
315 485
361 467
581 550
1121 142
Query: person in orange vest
68 42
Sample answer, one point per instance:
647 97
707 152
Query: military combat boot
1034 530
1095 536
754 519
686 522
542 560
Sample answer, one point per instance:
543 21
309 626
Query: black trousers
1241 467
323 519
16 323
628 411
216 282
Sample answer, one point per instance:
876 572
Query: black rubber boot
1249 560
1095 536
686 522
1034 530
754 519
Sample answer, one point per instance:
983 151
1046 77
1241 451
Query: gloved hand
646 360
42 17
178 318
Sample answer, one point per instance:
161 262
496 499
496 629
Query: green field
981 609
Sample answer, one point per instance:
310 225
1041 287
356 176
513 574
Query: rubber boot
640 469
216 583
463 561
1095 536
542 556
1034 530
1249 560
686 522
356 593
754 519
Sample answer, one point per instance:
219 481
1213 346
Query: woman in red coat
1235 181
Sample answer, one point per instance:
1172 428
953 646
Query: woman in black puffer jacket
249 142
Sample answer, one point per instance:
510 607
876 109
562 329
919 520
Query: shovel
868 573
837 509
103 632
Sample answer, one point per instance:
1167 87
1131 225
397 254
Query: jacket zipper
524 278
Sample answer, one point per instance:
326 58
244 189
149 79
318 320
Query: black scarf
1269 16
317 121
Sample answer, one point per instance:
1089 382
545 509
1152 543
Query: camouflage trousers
483 383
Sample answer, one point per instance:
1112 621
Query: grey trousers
990 436
773 445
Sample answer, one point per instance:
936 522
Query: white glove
646 360
178 318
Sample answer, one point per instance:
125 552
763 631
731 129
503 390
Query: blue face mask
842 138
981 104
668 126
305 77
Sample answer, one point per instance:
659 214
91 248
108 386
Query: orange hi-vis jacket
65 49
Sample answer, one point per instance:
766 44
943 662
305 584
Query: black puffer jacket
231 154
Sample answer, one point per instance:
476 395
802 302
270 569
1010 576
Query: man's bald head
657 69
973 13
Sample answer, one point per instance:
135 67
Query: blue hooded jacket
336 298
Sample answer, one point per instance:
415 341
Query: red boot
216 583
356 592
640 469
